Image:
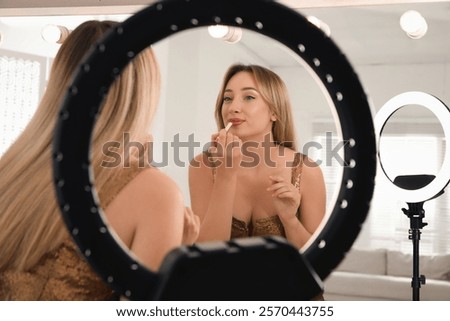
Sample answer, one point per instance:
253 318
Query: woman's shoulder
137 179
290 157
143 199
311 170
155 181
297 158
144 187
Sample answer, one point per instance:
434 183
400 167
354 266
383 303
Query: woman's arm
311 198
211 201
212 198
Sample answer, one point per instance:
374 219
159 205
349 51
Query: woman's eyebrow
242 89
249 88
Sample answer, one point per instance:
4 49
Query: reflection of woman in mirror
39 260
252 182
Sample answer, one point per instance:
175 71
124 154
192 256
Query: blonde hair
30 221
274 92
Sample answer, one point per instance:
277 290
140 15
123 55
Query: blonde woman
39 261
252 182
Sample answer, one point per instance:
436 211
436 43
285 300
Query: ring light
74 183
440 110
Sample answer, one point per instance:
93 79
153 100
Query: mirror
385 65
193 66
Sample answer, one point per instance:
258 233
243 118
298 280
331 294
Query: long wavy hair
274 92
30 221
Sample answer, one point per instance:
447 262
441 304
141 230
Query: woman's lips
236 121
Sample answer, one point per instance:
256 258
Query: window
21 85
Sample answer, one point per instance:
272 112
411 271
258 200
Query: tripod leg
416 280
416 213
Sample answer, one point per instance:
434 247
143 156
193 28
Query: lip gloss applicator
227 128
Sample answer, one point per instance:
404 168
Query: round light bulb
218 31
234 35
229 34
414 24
54 33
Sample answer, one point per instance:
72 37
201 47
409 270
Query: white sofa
386 275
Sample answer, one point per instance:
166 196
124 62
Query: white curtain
22 79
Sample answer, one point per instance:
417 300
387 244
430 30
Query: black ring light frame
73 175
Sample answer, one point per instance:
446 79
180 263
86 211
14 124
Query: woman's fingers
284 194
214 138
225 145
280 190
276 186
277 183
276 178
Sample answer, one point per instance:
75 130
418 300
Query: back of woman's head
75 48
29 216
133 96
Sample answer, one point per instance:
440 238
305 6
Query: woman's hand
225 151
286 198
191 227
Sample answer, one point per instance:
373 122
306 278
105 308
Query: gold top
62 274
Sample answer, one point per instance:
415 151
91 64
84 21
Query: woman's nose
235 107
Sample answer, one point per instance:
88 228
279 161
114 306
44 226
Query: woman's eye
249 97
226 99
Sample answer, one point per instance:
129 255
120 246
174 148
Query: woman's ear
273 117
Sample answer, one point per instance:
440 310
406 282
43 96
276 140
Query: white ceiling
371 35
367 34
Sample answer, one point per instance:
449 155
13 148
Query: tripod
415 213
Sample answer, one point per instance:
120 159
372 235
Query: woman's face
245 108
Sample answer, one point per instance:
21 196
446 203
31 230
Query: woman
252 182
39 261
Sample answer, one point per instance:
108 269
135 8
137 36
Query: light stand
415 190
415 213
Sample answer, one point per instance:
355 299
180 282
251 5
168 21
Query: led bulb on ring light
320 24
